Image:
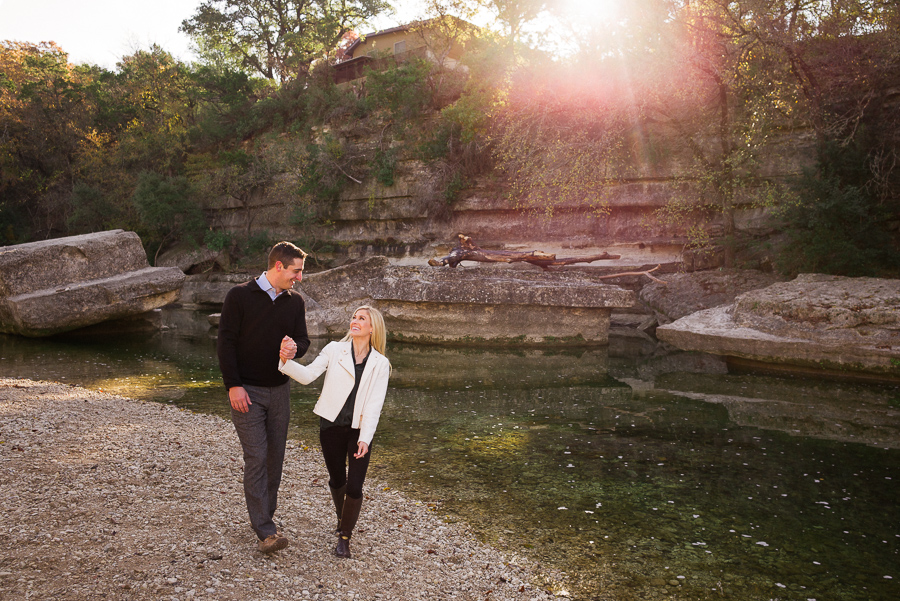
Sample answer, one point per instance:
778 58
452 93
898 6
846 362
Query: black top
345 416
250 331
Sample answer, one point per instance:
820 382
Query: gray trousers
263 435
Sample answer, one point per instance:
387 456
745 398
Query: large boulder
63 284
847 325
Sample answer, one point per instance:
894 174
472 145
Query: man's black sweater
250 331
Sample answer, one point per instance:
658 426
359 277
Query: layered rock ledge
63 284
471 305
831 323
108 497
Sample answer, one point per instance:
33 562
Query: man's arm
226 349
300 335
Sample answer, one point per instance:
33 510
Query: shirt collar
263 282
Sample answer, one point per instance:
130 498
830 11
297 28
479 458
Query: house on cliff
441 41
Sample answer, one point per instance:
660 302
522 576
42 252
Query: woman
356 378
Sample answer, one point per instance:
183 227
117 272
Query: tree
167 210
276 38
43 118
158 99
752 71
717 82
515 15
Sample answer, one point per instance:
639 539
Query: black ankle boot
337 495
349 516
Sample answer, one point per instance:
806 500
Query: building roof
364 38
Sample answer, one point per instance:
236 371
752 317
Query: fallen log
467 250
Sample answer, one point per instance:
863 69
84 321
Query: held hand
361 450
240 400
288 349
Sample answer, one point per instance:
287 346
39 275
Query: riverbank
109 497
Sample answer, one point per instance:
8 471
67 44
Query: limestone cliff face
399 221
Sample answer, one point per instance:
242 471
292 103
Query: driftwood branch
467 250
646 272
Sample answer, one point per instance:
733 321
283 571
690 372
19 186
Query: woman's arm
371 410
306 373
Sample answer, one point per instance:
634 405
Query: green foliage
384 165
325 103
711 85
455 187
226 107
42 119
563 136
167 210
258 244
322 173
838 226
92 211
402 91
14 226
275 38
218 240
306 215
238 158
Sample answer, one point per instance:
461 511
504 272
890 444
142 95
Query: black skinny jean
339 444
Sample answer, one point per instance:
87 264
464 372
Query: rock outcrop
473 305
847 325
192 259
211 288
686 293
63 284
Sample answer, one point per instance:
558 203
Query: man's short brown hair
285 252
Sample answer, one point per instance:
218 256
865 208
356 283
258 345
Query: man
256 316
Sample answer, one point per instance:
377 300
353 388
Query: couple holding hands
262 330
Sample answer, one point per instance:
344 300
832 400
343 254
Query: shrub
383 166
91 210
838 226
218 240
401 91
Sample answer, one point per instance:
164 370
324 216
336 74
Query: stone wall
397 222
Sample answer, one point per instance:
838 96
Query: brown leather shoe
343 547
272 543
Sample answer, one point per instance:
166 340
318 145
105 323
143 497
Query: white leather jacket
336 360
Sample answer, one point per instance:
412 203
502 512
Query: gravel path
108 497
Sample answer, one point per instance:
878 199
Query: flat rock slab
59 285
473 305
848 325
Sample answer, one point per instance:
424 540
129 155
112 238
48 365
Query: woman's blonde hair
379 332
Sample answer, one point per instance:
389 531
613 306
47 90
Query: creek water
627 472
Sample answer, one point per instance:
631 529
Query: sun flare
593 11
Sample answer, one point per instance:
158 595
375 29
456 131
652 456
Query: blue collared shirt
263 282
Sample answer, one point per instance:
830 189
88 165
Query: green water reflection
640 473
